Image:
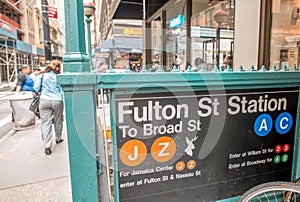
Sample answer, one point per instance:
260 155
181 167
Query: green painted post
76 59
80 106
81 129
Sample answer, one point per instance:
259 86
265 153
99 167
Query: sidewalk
28 174
6 123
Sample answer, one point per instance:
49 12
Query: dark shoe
59 141
48 151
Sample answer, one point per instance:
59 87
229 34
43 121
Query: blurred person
187 65
102 67
51 104
227 61
154 68
134 68
179 65
24 81
36 72
199 63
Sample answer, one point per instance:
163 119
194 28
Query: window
285 34
212 29
31 38
20 36
176 35
156 37
16 18
8 13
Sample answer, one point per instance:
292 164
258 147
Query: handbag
34 106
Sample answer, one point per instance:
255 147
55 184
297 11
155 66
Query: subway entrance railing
181 136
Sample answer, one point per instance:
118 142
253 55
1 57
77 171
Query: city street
27 173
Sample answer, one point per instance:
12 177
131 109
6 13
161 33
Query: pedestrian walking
51 104
24 81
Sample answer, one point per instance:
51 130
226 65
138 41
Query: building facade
57 29
22 38
218 32
102 20
102 25
56 26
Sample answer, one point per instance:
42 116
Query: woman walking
51 104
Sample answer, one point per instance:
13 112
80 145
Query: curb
14 130
4 87
8 135
6 125
37 182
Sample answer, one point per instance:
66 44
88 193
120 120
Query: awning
124 45
133 9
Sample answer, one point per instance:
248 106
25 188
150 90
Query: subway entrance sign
202 145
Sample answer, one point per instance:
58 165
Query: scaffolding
8 60
12 59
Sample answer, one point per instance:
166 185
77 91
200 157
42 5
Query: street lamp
89 10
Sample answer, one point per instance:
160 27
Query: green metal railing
80 86
80 101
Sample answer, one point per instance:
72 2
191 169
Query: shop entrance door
219 51
214 46
210 51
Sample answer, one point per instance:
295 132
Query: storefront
284 39
224 32
210 34
123 47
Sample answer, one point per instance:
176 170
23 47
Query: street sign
52 12
200 145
